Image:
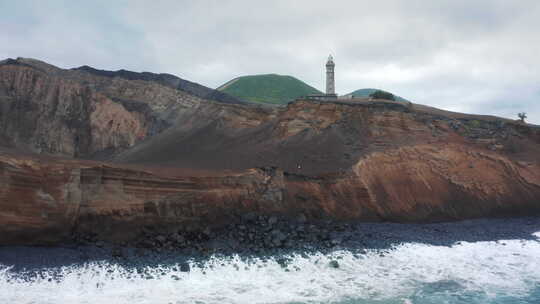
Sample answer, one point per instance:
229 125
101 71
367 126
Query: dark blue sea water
495 271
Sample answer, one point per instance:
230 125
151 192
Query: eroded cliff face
183 162
71 113
49 114
45 202
50 202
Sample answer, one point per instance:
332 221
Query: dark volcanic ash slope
310 137
168 80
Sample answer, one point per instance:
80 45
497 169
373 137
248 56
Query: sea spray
478 272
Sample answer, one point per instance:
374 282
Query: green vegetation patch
269 88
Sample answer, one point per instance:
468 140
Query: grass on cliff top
268 88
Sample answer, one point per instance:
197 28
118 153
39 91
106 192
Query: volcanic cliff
86 151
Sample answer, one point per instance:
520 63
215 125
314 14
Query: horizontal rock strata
49 202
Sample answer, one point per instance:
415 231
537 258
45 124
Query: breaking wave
480 272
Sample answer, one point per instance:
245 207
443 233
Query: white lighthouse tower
330 83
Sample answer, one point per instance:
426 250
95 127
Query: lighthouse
330 93
330 83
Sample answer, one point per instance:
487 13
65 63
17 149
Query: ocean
490 270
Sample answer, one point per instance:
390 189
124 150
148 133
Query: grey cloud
474 56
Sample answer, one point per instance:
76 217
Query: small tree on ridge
522 116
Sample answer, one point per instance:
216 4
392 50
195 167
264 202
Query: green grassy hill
269 88
366 92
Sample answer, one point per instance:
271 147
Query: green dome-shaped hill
268 88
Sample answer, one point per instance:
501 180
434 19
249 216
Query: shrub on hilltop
382 95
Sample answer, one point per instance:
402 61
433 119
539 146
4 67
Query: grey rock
184 267
277 242
302 218
250 217
336 241
333 264
180 239
117 252
146 244
272 220
282 262
161 239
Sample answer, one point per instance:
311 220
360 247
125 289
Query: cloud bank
469 56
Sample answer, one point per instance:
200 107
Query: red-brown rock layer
44 203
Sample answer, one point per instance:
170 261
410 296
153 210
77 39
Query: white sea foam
509 267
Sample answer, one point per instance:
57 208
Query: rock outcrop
49 201
95 115
179 161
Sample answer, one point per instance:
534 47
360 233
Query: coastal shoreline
357 238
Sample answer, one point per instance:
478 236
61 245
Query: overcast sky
468 56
